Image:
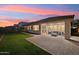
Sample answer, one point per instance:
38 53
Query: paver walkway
56 45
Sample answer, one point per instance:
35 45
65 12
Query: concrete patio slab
55 45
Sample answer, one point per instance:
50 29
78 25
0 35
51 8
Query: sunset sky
12 14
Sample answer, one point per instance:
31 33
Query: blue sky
33 12
60 7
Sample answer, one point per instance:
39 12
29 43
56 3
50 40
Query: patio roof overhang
52 19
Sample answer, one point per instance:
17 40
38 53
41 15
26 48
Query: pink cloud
4 23
8 22
25 9
6 17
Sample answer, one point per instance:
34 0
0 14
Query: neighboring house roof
50 19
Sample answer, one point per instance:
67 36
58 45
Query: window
36 27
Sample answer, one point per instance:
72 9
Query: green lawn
15 44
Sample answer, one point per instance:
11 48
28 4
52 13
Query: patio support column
68 28
40 28
31 27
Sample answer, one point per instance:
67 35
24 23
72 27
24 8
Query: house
78 30
22 24
60 25
75 27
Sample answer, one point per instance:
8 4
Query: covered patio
54 26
